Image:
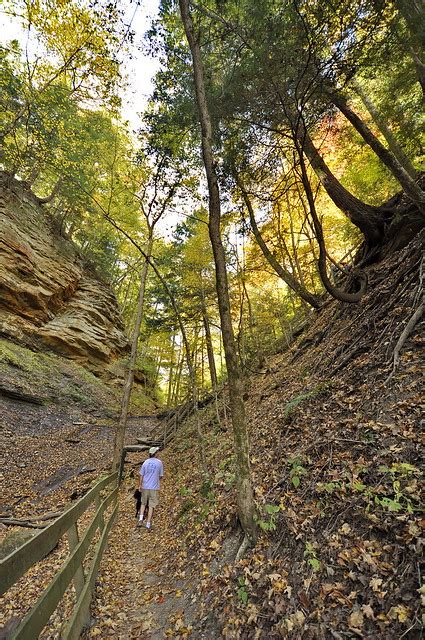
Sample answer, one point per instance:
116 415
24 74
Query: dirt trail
137 595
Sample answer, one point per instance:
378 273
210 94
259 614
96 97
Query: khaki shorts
150 496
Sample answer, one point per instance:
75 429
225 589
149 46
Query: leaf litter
336 454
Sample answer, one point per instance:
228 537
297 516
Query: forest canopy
317 115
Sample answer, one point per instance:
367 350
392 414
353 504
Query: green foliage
206 490
311 556
268 523
400 496
297 471
188 505
400 500
242 592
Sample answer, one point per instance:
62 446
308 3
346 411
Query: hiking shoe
148 526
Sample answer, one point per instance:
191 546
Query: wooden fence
15 565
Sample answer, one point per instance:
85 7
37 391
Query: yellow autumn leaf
400 612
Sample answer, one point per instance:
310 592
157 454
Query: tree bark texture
245 498
208 341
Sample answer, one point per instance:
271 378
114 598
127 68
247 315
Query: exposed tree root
404 336
245 545
414 319
11 522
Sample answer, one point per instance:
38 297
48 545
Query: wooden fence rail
15 565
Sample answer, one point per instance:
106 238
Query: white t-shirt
151 470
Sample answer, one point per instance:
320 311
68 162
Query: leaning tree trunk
380 122
245 496
283 273
369 219
410 187
336 292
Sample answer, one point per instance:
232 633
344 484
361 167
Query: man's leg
150 513
142 510
153 502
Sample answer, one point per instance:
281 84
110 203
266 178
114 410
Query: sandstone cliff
48 297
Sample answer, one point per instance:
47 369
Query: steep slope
49 298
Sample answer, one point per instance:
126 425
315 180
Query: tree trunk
171 370
393 145
281 271
337 293
128 385
176 386
369 219
245 497
413 11
208 340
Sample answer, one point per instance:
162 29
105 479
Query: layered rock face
48 297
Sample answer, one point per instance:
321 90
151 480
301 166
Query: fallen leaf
345 529
368 611
355 620
375 583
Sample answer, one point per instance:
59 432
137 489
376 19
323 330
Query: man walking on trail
150 473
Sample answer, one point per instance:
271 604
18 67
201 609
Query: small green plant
311 557
399 501
269 524
242 592
204 511
184 491
296 472
187 506
224 463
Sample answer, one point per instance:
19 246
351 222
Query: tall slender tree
245 497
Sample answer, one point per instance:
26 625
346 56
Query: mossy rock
14 540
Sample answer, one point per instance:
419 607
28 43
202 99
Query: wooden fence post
73 540
97 503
